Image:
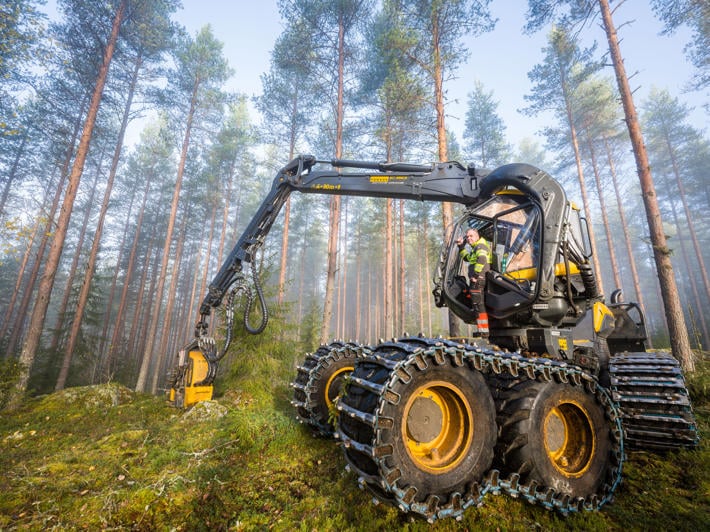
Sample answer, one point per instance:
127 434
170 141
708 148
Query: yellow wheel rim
570 441
331 392
437 426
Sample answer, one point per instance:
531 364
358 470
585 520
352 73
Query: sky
500 59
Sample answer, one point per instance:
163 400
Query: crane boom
437 182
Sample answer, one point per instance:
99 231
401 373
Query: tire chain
308 375
421 351
653 401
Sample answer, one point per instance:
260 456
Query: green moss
89 458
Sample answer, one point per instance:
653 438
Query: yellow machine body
186 392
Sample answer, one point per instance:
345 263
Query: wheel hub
437 426
335 383
424 420
569 439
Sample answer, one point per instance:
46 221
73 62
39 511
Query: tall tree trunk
49 229
123 300
134 332
168 316
358 280
334 217
7 318
94 253
301 279
420 291
39 313
287 208
686 261
447 210
680 343
18 324
582 183
178 333
103 339
222 237
344 277
208 253
388 284
61 315
193 309
369 313
12 174
153 329
401 268
145 311
427 271
225 213
602 206
625 230
689 219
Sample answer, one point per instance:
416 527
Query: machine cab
512 224
536 279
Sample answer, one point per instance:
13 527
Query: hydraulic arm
438 182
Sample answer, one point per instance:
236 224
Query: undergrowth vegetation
104 457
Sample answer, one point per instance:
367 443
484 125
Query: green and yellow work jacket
479 255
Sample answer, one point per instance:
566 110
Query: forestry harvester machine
432 425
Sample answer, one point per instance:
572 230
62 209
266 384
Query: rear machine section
654 401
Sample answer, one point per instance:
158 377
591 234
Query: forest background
158 175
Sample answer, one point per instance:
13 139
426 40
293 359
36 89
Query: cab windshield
514 227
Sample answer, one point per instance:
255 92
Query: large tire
444 432
427 438
318 383
556 435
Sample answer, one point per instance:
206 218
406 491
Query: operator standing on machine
476 250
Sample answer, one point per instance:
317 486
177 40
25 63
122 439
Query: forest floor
104 457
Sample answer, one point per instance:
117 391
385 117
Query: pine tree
556 82
484 129
672 143
193 87
540 12
332 57
284 107
29 349
437 27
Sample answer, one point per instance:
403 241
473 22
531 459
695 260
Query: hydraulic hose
207 344
250 302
